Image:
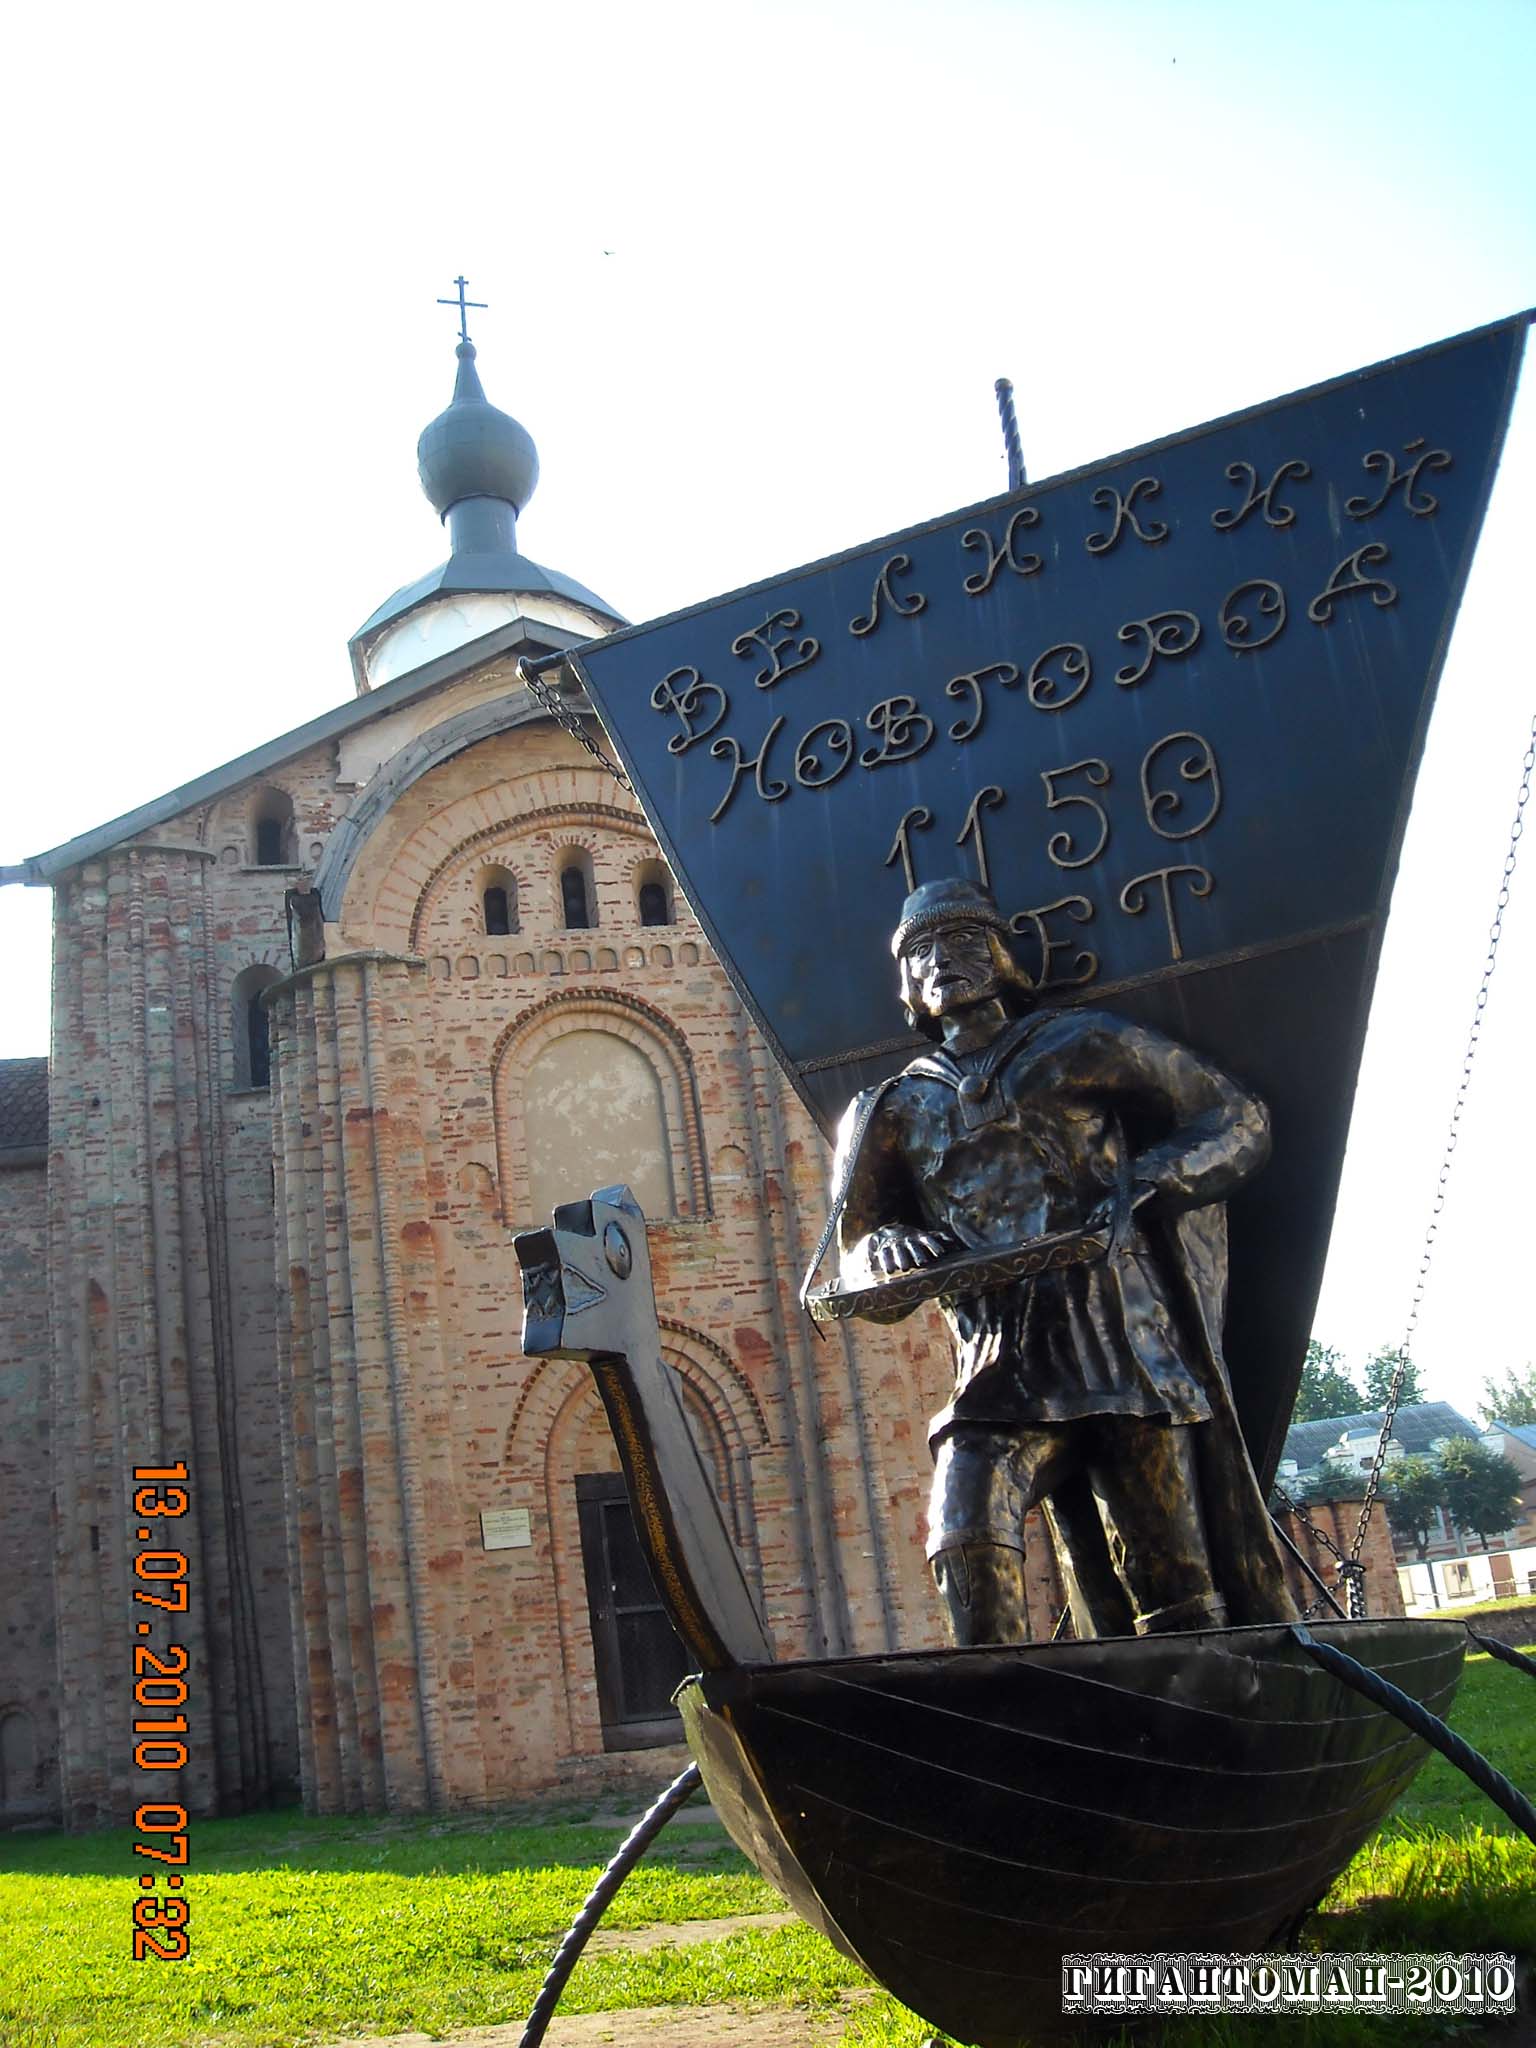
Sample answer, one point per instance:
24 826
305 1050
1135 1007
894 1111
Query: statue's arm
881 1228
1214 1133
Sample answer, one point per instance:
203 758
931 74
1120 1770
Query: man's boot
982 1588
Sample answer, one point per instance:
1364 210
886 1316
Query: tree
1413 1488
1382 1370
1482 1489
1511 1400
1326 1389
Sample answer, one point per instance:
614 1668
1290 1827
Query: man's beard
964 996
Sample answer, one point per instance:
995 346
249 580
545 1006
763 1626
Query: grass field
308 1930
1490 1606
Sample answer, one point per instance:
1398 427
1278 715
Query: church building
329 1025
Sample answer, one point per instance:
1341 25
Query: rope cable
1383 1693
1399 1377
627 1855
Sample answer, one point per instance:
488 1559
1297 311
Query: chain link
1349 1573
1495 932
549 700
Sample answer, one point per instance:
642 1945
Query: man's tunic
1026 1138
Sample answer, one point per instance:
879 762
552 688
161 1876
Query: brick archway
638 1024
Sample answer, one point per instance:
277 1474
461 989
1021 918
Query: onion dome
478 468
474 450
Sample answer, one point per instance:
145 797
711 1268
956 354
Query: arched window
591 1088
252 1040
577 910
653 893
498 902
594 1116
273 842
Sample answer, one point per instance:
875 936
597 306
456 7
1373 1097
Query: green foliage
306 1931
1381 1372
1512 1399
1482 1489
1326 1388
1413 1488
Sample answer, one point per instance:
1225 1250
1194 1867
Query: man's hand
896 1249
979 1336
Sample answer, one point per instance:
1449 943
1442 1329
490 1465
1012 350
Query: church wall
141 1358
313 1284
28 1693
822 1443
161 1230
250 938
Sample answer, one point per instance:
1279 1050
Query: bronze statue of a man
1097 1390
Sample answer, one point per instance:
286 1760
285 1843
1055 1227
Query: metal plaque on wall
1169 707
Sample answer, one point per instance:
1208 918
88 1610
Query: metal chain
1495 932
1348 1570
549 700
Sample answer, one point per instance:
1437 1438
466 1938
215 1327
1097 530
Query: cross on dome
464 305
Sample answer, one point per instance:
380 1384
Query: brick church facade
328 1026
258 1218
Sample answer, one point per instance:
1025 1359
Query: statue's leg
1149 1497
985 1481
1095 1593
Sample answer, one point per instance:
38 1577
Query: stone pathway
662 1933
656 2026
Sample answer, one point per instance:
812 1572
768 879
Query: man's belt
896 1295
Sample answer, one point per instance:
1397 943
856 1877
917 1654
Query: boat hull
958 1821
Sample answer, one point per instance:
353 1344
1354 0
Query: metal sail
1170 707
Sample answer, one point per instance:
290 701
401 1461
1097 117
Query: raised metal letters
998 552
809 772
685 702
908 606
1085 965
1420 503
1229 518
1042 686
1006 673
763 638
984 800
1199 766
1165 633
904 732
1201 885
1350 577
1060 847
1238 626
918 819
1123 505
728 748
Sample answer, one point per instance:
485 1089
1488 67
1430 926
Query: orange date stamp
160 1690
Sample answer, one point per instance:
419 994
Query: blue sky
751 274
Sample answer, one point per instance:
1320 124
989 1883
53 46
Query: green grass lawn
1505 1606
307 1930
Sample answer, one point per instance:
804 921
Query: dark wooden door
640 1659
